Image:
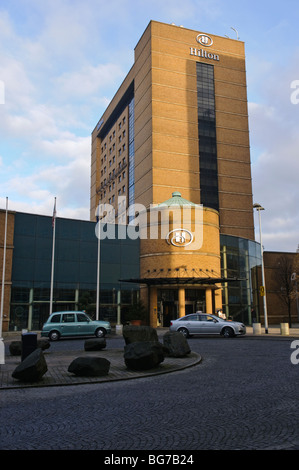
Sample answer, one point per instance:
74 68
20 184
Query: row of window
131 182
207 135
121 191
112 135
113 173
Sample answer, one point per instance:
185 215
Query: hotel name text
203 53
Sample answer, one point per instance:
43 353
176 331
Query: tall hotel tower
179 121
177 131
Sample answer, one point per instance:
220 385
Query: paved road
243 395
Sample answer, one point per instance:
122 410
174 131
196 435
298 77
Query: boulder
43 343
15 348
95 344
175 344
143 355
32 368
134 334
89 366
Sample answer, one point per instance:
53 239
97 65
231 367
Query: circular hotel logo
179 237
204 40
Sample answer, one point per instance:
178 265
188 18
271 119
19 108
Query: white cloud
275 168
88 81
62 63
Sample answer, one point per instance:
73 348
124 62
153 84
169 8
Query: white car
205 324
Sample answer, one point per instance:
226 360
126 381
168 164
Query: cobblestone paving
57 373
243 395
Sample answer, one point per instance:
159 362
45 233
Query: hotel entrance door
168 305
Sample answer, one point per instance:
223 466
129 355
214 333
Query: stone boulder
175 344
43 343
32 368
95 344
89 366
135 334
15 348
143 355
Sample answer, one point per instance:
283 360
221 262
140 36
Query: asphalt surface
242 394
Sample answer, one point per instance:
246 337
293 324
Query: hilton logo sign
207 41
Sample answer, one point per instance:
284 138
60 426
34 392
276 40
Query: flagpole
53 256
98 270
2 347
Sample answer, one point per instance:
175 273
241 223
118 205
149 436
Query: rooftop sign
206 41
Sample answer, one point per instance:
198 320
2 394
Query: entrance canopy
155 281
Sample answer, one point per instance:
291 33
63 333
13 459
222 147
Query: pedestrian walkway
274 331
59 361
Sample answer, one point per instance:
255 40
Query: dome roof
177 200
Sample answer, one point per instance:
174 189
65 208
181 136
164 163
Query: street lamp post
294 279
2 347
259 208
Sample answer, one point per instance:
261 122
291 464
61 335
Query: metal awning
155 281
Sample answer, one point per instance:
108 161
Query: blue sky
61 61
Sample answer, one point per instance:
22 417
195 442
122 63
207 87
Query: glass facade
207 135
240 259
131 154
75 273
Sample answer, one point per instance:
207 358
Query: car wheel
54 336
100 333
184 332
228 332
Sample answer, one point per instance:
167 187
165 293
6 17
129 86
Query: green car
65 324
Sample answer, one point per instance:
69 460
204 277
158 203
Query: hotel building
173 140
178 126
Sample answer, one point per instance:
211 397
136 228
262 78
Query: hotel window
207 135
131 154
